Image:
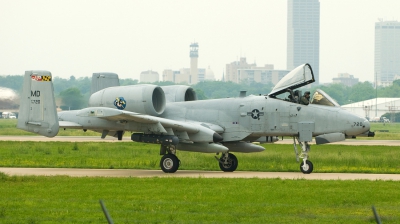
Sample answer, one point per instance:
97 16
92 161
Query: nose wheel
306 167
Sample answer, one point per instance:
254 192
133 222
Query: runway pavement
194 174
188 173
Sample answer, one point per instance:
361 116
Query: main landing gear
306 165
169 163
228 162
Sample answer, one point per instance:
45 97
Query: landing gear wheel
228 165
169 163
306 168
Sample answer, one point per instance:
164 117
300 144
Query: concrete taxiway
193 174
190 173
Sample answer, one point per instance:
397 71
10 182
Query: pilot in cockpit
305 99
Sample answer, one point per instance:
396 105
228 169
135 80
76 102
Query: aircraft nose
356 125
366 124
368 132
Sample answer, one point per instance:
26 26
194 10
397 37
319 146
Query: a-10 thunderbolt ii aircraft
172 117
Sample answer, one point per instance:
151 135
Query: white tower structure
194 55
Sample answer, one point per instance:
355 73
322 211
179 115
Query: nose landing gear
306 165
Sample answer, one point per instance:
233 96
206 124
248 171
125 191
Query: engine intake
179 93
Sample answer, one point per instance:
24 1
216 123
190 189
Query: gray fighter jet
172 117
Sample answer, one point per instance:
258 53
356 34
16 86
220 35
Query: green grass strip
60 199
131 155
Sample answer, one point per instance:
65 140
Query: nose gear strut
306 165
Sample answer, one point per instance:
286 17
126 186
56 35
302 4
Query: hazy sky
128 37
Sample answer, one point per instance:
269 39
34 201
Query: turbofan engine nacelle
179 93
144 99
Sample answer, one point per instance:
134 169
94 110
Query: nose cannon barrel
367 134
371 134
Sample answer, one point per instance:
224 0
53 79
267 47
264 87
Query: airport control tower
194 54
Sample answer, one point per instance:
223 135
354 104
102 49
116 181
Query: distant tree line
74 93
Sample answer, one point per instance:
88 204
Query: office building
149 76
345 79
303 19
264 75
387 52
232 69
191 75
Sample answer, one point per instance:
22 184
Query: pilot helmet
307 92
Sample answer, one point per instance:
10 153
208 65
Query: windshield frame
325 100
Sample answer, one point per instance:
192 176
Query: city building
387 52
169 75
232 69
264 75
241 71
149 76
183 76
303 19
208 76
191 75
345 79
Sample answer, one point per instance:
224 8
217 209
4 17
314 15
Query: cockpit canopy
322 98
298 77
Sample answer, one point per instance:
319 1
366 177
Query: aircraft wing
185 130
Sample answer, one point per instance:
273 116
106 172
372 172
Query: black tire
308 168
231 164
169 163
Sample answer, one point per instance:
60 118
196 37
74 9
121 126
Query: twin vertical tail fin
104 80
37 111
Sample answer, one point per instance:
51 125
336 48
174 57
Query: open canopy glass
298 77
